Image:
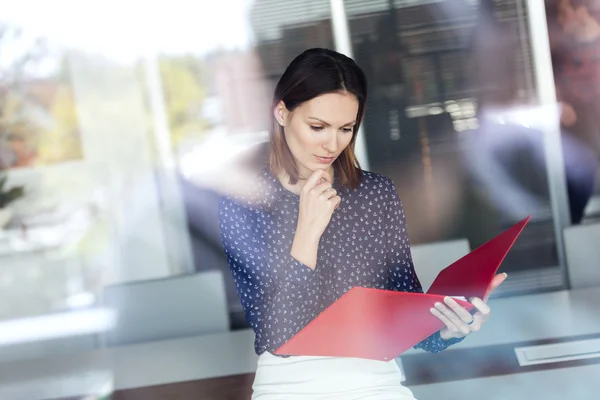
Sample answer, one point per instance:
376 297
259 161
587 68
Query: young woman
314 226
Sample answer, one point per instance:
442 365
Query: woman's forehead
333 106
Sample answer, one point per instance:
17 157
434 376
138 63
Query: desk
577 383
517 319
141 365
563 313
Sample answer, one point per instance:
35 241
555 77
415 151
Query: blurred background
121 124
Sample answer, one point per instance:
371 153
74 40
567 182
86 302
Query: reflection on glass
574 28
116 143
440 68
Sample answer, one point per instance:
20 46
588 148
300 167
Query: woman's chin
325 168
309 169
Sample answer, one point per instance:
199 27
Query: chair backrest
169 308
583 255
430 259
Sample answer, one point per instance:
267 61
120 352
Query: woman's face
318 130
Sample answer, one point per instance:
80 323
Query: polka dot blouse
365 244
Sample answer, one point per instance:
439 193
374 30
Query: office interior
122 123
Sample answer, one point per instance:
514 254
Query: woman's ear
281 113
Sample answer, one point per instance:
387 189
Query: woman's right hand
318 200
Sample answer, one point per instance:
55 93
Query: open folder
382 324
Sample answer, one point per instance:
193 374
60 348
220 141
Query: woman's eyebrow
328 124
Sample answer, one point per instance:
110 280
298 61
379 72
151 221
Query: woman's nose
331 143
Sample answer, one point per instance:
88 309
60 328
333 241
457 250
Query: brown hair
311 74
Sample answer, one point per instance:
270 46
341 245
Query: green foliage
7 196
184 92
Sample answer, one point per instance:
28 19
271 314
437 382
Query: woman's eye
316 128
347 130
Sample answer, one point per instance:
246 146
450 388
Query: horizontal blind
283 29
269 18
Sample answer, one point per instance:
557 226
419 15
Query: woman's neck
284 179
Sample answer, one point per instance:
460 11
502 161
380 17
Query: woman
314 226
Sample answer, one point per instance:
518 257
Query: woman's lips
325 160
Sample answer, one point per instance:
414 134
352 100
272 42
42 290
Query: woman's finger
451 315
459 310
445 320
327 195
478 321
322 188
497 281
326 177
330 192
314 179
336 201
481 306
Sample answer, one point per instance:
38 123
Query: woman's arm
274 287
402 276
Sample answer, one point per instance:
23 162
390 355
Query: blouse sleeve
402 276
274 288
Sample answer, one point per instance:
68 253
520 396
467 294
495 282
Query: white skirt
333 378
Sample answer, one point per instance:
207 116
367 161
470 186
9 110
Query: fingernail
432 310
505 275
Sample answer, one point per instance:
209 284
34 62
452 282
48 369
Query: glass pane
55 221
449 82
130 137
238 86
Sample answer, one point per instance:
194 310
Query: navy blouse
365 244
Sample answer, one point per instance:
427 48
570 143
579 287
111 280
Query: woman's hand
459 321
318 200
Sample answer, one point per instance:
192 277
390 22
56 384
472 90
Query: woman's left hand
459 321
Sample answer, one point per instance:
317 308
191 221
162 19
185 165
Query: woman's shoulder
254 193
373 180
375 188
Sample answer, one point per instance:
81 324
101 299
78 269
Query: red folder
382 324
